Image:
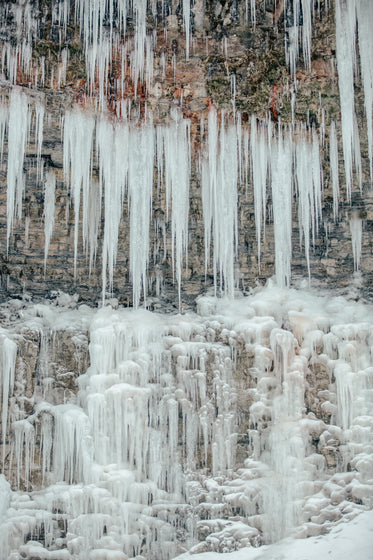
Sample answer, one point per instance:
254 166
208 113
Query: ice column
287 443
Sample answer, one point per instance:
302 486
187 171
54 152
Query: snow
348 539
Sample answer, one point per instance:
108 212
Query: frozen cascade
147 447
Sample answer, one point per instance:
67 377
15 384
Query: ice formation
119 465
234 426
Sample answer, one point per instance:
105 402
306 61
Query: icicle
334 175
253 12
113 147
39 125
4 116
345 49
49 193
365 26
176 140
186 19
307 157
77 156
259 164
219 199
140 187
298 13
356 229
17 139
281 167
7 371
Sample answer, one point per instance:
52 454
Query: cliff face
233 65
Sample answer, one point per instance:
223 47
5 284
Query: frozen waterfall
184 369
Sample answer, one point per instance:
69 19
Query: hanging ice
365 25
281 169
140 188
17 139
345 13
219 199
307 161
259 144
356 238
77 161
334 175
175 140
49 197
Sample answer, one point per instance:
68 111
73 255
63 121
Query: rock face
233 65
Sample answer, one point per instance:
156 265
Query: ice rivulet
235 426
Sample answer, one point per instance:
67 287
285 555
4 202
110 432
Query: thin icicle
334 175
356 229
39 125
17 140
49 193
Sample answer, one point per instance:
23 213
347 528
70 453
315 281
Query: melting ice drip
143 459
